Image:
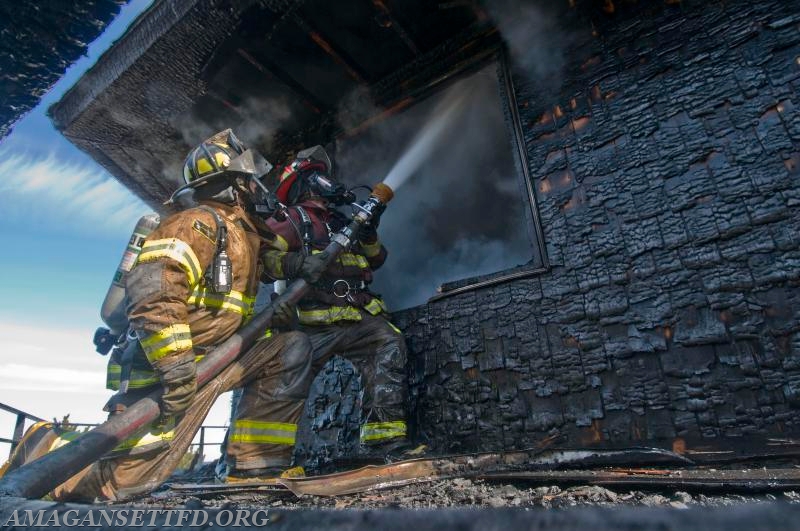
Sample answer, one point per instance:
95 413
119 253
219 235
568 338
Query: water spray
426 140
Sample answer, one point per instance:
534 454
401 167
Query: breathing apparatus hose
39 477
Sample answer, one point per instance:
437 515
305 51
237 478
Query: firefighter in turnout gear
340 314
193 285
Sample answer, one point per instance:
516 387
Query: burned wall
39 42
667 181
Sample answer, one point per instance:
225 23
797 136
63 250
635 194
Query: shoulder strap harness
219 275
308 229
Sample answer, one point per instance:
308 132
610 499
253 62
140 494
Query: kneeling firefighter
193 285
340 314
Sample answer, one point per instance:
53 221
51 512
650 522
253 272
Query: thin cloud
84 195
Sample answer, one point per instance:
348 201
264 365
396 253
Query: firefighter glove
368 233
313 266
285 315
178 375
308 267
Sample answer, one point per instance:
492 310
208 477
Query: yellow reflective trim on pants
165 434
375 306
64 439
329 315
174 338
175 249
260 432
371 249
374 431
139 377
235 301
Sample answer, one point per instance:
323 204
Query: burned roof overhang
278 71
40 40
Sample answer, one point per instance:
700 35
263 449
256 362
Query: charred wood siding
668 185
39 41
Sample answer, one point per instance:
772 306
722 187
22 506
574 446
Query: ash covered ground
461 492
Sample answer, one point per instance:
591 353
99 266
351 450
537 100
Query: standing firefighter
340 314
193 285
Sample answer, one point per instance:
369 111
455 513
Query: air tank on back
113 310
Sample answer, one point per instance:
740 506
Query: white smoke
535 39
461 212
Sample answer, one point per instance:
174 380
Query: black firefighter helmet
221 168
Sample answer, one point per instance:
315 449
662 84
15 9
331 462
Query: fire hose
39 477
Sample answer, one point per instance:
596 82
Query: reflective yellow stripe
279 243
165 434
63 439
273 262
375 306
267 333
173 338
235 301
329 315
139 377
373 431
154 436
355 260
349 259
371 249
259 432
175 249
394 328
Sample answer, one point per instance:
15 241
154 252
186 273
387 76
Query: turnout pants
378 350
278 367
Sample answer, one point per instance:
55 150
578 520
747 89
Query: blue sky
64 223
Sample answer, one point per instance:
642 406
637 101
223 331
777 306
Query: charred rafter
337 55
480 13
387 20
268 68
224 101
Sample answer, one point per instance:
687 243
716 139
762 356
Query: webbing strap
308 229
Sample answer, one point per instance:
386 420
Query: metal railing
19 425
19 430
202 443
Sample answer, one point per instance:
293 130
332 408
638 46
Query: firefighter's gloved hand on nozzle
178 375
368 233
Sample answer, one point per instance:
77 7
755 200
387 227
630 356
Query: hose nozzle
382 192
